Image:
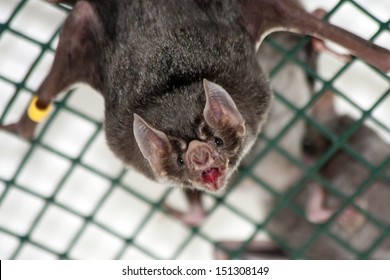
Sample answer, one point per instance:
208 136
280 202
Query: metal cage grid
117 183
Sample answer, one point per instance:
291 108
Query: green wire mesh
58 229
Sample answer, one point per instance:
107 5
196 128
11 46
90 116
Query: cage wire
64 195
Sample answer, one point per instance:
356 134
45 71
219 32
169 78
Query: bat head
205 161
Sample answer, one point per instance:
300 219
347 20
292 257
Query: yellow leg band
37 114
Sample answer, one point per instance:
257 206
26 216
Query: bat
359 222
184 95
293 83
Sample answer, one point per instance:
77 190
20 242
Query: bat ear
154 144
220 109
324 108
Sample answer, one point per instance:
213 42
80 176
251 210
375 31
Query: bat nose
199 155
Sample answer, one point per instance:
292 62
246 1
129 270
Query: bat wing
262 17
75 61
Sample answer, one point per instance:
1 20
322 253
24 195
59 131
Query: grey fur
345 174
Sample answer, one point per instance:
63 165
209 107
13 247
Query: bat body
184 96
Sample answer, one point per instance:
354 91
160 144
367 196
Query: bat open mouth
210 177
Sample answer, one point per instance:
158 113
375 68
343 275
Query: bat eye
309 147
180 161
218 142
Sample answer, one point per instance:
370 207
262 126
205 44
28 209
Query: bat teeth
211 176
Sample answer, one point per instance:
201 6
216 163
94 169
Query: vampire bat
184 96
294 85
355 206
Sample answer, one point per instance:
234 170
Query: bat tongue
210 176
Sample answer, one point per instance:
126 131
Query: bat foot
351 220
316 211
192 218
320 215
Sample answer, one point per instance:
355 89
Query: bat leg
196 214
316 212
73 62
264 249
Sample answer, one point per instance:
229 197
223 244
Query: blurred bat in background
359 222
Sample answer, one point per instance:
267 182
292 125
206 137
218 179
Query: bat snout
208 168
199 155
